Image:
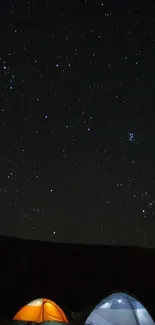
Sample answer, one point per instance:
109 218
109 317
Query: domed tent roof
119 309
41 310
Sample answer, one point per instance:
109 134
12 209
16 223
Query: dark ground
75 276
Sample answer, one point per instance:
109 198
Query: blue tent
119 309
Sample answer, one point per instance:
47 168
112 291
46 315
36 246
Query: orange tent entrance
41 310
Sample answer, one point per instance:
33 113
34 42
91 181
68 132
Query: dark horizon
74 276
78 244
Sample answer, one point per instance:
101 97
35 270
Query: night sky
77 121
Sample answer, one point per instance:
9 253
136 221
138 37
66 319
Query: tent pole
136 318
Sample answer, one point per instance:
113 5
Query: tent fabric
52 323
35 323
119 309
41 310
22 322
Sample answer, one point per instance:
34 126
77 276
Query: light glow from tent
106 305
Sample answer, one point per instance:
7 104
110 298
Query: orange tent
41 310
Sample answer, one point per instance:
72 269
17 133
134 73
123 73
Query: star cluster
77 121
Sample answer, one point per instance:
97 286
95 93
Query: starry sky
77 134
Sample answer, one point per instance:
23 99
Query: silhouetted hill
72 275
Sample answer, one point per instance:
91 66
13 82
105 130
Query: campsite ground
75 276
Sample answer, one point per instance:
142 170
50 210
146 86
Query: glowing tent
41 310
119 309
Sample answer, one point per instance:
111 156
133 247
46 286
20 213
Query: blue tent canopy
119 309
